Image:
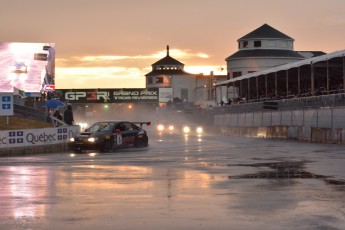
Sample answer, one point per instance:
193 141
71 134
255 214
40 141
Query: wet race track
178 183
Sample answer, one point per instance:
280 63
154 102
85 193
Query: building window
236 74
184 95
149 80
257 43
159 80
245 44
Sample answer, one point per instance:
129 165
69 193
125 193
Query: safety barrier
26 141
311 134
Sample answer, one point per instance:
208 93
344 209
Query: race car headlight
160 127
186 129
22 68
92 139
199 130
171 128
71 139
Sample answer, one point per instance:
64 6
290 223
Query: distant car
19 67
191 129
108 135
166 127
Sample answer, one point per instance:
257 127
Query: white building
261 49
169 76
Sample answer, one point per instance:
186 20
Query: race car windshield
99 127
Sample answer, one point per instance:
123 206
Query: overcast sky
112 43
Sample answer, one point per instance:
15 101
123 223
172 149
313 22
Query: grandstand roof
296 64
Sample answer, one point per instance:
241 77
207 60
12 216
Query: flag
19 92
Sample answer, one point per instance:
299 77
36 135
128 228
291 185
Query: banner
108 95
35 137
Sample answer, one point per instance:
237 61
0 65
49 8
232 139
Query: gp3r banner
109 95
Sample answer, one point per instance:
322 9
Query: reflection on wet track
178 182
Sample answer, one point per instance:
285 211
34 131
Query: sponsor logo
90 96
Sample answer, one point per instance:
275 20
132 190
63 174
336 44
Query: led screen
26 66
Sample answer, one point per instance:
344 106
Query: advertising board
36 137
26 66
108 95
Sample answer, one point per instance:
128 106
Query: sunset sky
112 43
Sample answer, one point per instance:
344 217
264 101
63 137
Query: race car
108 135
190 129
166 127
19 67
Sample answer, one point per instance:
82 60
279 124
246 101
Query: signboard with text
6 104
109 95
35 137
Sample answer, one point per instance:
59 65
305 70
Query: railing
30 113
334 100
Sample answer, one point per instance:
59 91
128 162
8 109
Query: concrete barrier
310 134
34 141
20 151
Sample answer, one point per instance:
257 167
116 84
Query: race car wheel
107 146
141 142
78 150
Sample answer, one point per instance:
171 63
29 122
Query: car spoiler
141 123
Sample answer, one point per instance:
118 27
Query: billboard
26 66
108 95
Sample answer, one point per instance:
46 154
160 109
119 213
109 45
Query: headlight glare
199 130
92 139
186 129
160 127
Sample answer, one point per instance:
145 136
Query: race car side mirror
117 130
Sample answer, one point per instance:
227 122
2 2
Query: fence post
303 109
332 114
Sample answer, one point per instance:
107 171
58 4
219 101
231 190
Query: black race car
108 135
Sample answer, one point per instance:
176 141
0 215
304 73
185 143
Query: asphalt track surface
178 182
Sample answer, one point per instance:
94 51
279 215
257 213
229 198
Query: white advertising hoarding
36 137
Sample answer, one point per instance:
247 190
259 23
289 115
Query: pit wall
320 135
323 125
34 141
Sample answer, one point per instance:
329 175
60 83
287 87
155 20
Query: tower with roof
261 49
169 76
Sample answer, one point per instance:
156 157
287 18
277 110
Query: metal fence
318 117
334 100
29 112
326 111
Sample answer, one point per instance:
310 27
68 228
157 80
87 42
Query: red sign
49 88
